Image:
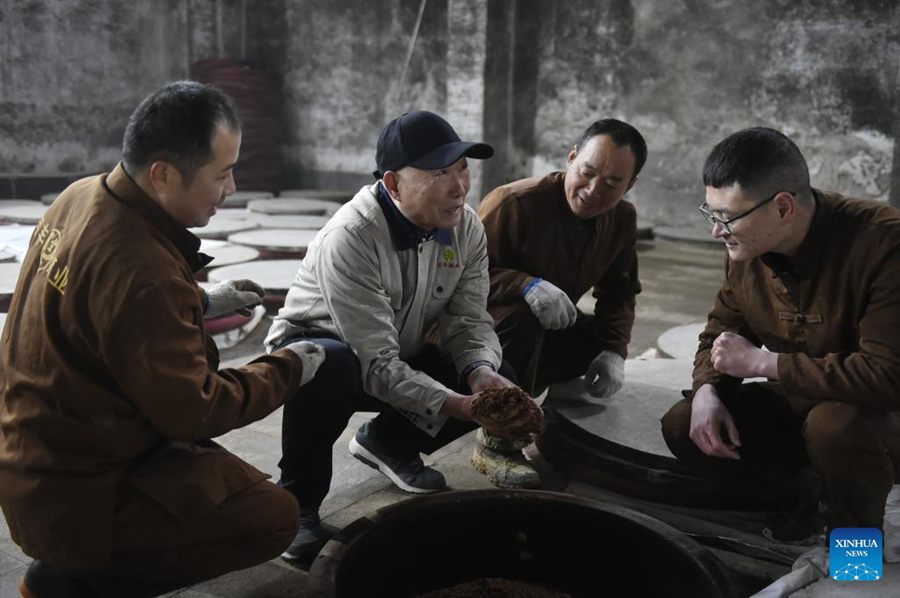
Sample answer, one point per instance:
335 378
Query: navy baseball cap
423 139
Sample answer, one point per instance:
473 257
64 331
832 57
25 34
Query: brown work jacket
833 312
532 232
107 376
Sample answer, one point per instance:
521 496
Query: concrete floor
679 280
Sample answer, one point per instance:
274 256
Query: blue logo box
855 553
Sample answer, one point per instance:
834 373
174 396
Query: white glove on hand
312 356
606 374
552 307
233 295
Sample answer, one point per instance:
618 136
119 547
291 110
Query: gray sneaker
408 472
310 538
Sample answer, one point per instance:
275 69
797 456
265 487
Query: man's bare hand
458 406
708 415
734 355
484 377
481 378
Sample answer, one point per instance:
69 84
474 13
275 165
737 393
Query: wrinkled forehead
602 153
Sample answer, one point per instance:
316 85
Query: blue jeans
315 417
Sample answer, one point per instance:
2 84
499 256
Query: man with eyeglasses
812 277
550 240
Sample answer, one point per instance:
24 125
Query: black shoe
409 472
310 538
43 579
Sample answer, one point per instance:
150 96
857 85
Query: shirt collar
120 184
809 253
407 235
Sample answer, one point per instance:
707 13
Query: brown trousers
541 357
854 450
154 552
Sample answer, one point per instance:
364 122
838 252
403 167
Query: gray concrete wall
72 72
689 73
526 75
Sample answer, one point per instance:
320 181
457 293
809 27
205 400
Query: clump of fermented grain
508 412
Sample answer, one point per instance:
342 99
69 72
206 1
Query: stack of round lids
294 206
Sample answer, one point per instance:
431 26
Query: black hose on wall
260 167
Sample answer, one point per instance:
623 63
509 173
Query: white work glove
233 295
552 307
312 356
606 374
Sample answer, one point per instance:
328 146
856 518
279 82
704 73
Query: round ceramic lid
629 418
221 225
273 275
23 214
226 254
337 195
275 239
290 221
297 206
240 198
680 342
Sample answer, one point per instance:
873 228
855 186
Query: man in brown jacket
550 240
110 387
814 278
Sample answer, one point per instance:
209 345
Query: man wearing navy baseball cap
405 255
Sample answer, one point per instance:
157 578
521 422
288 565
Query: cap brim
451 152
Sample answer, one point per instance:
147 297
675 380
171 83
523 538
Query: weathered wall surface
72 72
689 73
344 77
526 75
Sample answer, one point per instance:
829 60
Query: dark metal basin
573 544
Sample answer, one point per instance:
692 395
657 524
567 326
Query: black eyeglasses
726 224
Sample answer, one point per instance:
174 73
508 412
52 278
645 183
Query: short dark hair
176 124
623 134
759 159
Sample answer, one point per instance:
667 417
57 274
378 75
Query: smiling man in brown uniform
815 278
109 385
550 240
